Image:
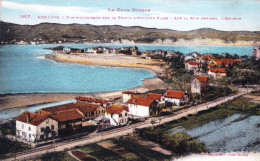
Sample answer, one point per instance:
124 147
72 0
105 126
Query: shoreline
13 101
104 60
21 100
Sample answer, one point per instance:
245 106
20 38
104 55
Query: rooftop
203 79
174 94
226 61
154 96
217 70
31 118
194 63
116 109
67 115
141 101
89 99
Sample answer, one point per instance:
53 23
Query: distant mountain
52 32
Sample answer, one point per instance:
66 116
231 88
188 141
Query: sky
244 14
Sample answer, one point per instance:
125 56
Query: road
114 133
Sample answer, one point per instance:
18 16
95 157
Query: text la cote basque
128 10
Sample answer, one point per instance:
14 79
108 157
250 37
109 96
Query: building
32 127
101 102
226 62
217 72
127 95
199 84
176 97
193 66
158 98
206 58
142 107
74 115
117 115
256 53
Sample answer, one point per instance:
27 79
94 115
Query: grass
255 93
8 128
137 151
8 147
242 105
57 156
123 148
99 153
203 117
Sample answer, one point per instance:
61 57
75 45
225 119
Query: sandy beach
112 60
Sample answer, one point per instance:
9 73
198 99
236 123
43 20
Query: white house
127 95
32 127
192 66
217 72
199 84
117 115
176 97
141 107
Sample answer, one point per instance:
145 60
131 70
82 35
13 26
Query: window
125 114
30 135
122 120
42 137
92 113
29 128
120 115
42 129
23 133
47 121
22 126
52 127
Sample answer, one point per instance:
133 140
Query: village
131 107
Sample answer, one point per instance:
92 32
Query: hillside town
103 113
191 82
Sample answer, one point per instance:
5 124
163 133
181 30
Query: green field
122 149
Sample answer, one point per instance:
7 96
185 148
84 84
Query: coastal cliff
86 33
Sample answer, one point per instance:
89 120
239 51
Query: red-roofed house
217 72
101 102
127 95
157 97
32 127
199 84
74 115
176 97
226 62
192 66
117 115
142 107
206 58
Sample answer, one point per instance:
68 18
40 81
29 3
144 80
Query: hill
52 32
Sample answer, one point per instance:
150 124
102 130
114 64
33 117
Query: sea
23 69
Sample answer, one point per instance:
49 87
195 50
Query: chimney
28 117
